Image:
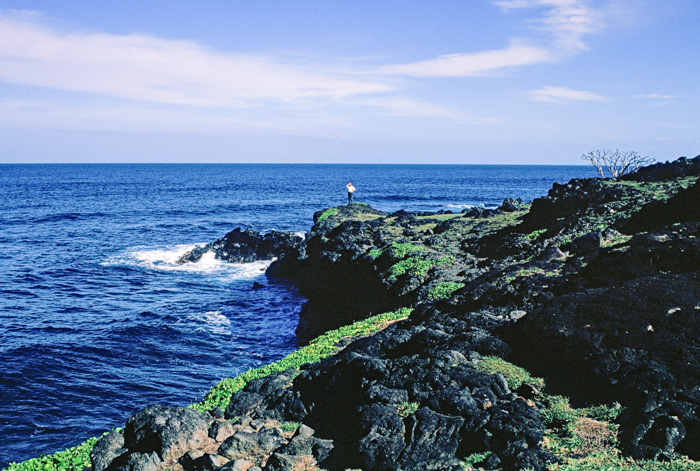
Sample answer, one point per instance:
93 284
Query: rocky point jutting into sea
595 288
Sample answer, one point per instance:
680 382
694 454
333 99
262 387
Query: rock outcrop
242 246
595 287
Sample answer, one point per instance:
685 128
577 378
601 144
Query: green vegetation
327 213
290 427
515 375
320 348
413 265
530 272
474 458
78 457
374 253
407 408
445 261
402 249
534 235
583 439
444 289
75 458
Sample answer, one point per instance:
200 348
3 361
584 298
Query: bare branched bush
593 434
617 162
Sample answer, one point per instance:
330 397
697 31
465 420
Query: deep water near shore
100 322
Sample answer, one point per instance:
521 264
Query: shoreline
506 266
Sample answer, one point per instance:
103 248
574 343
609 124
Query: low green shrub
400 250
290 427
444 290
327 213
446 260
413 265
321 347
75 458
534 235
515 376
407 408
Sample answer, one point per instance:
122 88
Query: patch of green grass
438 217
374 253
612 461
534 235
327 213
515 376
75 458
530 272
320 348
290 427
474 458
446 260
444 289
413 265
407 408
400 250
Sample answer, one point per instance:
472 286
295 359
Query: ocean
96 319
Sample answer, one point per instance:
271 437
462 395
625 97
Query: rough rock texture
407 398
247 246
595 287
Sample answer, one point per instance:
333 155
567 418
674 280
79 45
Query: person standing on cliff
351 190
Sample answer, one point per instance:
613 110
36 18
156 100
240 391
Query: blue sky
451 81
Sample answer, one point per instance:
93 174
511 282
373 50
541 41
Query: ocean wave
212 321
165 260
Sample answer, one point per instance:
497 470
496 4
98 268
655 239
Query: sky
347 81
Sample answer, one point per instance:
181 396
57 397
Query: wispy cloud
567 22
149 69
471 64
563 95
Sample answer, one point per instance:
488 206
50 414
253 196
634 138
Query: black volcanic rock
241 246
595 287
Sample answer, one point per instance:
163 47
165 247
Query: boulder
169 431
241 246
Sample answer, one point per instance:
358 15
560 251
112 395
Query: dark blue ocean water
96 320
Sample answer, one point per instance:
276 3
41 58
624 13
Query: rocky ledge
595 287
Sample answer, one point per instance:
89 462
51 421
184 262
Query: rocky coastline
594 287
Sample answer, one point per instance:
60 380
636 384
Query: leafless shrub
593 434
617 162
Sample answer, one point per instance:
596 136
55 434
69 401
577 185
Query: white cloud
566 21
563 95
149 69
471 64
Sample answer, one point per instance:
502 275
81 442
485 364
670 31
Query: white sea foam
165 260
212 321
460 206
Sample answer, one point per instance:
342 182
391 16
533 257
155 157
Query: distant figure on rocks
351 190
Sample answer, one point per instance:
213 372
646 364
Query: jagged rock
652 435
220 430
242 246
509 205
107 449
245 444
679 168
169 431
552 252
200 461
615 319
305 444
136 462
591 241
266 393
